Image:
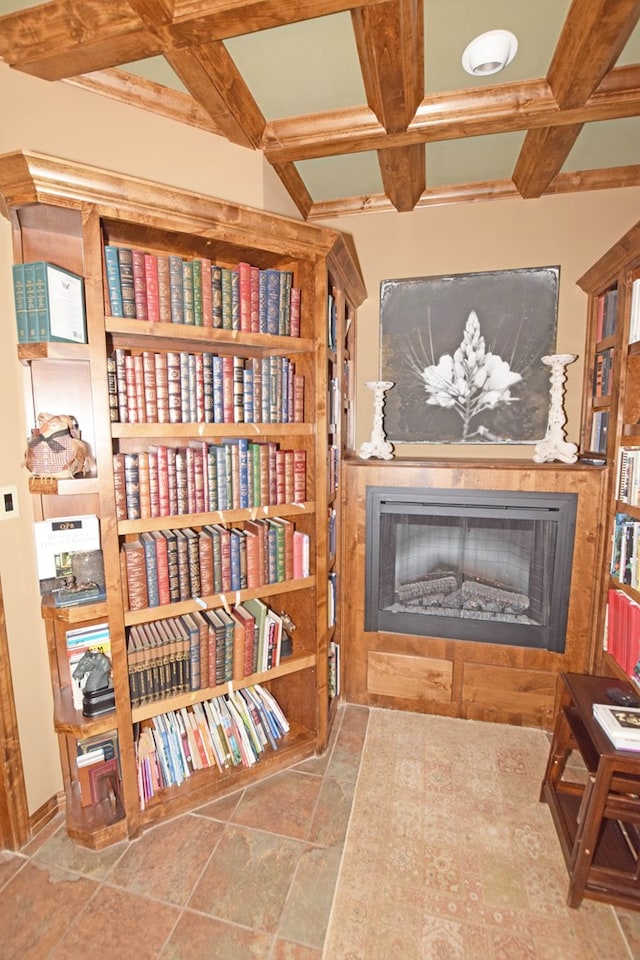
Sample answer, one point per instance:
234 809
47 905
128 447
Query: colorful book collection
197 292
182 387
228 731
169 566
204 649
607 310
625 551
623 631
629 476
201 477
49 303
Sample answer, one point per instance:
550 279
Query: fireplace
478 565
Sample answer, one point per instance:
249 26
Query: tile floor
249 876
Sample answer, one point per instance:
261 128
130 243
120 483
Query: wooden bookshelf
67 213
609 284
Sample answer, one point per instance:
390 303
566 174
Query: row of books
167 566
203 649
49 303
625 550
602 368
623 630
628 480
183 387
607 309
599 431
197 292
201 477
224 732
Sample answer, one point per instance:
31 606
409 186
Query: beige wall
572 231
63 121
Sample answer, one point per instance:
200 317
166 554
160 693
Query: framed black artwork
464 352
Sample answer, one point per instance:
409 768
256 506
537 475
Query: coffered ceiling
365 107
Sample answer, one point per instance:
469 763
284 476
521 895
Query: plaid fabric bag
55 448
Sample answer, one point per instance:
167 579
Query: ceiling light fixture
489 53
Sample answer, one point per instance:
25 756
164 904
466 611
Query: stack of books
621 724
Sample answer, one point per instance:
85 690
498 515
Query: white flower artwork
470 381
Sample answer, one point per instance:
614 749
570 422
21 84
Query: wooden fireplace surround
456 678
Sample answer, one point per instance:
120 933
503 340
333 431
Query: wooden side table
597 816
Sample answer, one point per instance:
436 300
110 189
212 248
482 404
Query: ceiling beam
295 187
404 175
501 109
592 38
390 43
212 78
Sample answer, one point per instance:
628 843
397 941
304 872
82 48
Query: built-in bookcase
70 215
611 431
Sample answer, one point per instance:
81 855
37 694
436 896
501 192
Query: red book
294 316
198 453
162 564
207 295
280 477
299 476
205 550
139 393
258 528
253 559
139 284
174 388
244 270
300 555
130 387
151 280
158 481
255 299
154 482
172 481
164 289
239 644
136 575
143 480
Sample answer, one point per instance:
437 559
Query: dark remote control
622 698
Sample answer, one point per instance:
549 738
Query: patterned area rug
450 855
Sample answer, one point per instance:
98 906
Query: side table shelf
596 813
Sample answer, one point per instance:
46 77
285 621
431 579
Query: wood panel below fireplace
461 678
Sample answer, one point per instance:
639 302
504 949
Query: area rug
450 855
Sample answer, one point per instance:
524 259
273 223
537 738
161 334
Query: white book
621 724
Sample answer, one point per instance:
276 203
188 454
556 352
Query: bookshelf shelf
112 385
611 428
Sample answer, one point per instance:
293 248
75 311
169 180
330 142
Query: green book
20 301
59 303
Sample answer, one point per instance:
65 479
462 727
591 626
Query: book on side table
621 724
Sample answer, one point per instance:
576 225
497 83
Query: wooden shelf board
44 350
80 486
132 617
198 431
71 723
95 826
80 613
136 333
214 516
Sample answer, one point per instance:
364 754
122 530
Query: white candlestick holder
378 446
554 446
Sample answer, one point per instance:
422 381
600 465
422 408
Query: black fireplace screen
489 566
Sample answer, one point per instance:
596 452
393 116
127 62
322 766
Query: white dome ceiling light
489 53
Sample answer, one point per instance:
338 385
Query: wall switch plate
9 503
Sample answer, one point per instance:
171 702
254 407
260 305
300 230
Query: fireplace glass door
487 566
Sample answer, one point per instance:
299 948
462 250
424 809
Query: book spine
164 289
132 485
176 288
216 296
112 270
119 486
125 261
152 289
187 293
139 284
196 278
136 575
295 306
244 294
112 387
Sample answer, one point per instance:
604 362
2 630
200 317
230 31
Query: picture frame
464 354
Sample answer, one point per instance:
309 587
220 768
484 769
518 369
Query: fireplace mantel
455 677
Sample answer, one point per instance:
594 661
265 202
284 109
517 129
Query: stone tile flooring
249 876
